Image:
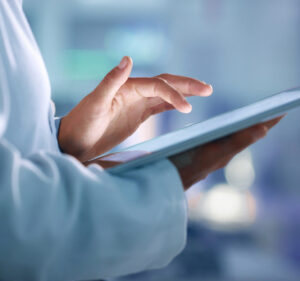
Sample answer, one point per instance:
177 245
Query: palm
128 111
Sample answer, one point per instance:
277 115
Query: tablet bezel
215 128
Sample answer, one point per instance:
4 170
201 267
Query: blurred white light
224 207
240 171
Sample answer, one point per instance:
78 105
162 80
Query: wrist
189 167
183 162
61 137
65 140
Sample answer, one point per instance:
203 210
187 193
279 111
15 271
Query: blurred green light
80 64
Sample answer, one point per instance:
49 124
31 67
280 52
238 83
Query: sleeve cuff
57 121
179 220
176 217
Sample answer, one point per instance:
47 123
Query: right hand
119 105
196 164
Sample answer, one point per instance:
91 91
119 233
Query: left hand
119 105
197 163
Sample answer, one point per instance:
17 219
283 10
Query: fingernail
123 63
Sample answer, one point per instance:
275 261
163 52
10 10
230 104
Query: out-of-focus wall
245 219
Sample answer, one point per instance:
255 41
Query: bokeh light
226 207
240 171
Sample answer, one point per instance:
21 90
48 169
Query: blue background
244 221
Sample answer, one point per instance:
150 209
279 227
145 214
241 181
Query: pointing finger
188 86
271 123
156 87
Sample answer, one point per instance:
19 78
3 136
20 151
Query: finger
161 108
156 87
218 153
156 110
188 86
112 82
244 138
271 123
240 140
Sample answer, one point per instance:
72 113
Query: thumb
113 81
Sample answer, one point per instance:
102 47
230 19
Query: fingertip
125 62
123 70
130 60
279 118
210 88
271 123
112 82
187 108
260 132
202 89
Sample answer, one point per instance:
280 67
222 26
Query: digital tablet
200 133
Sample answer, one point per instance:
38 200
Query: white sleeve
63 221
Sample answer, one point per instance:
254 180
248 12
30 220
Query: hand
117 107
196 164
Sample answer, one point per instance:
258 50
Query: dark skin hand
196 164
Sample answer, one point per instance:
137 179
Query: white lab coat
58 219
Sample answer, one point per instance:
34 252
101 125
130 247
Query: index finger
187 85
271 123
237 142
241 139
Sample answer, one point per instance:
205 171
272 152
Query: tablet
200 133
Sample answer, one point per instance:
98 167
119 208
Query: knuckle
159 84
164 75
158 80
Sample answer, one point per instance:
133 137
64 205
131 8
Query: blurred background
244 220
